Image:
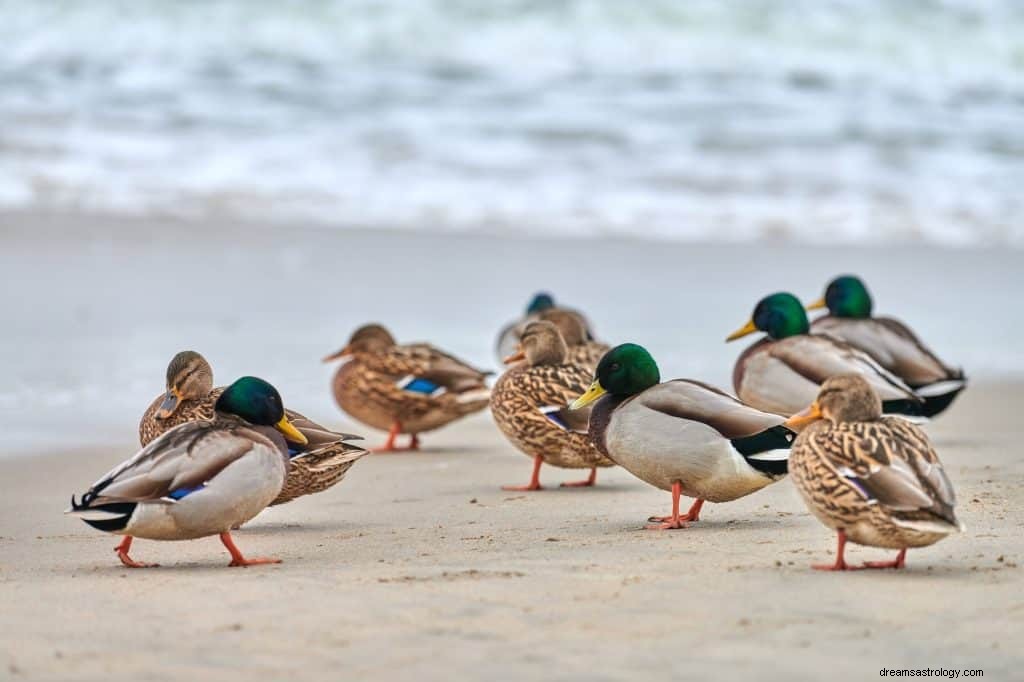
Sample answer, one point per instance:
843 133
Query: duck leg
122 554
236 554
585 483
534 483
840 564
899 562
677 520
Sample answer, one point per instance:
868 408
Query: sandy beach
418 565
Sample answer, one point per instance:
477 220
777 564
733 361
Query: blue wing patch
183 492
552 413
415 384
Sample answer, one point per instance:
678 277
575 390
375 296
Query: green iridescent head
625 370
846 296
779 315
540 302
258 402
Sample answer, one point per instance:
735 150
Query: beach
418 564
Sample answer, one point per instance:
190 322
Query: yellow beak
595 391
748 328
290 432
170 403
804 418
818 305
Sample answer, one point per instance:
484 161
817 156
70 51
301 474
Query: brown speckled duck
530 405
409 388
190 396
875 480
888 341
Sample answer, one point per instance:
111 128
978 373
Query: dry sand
418 567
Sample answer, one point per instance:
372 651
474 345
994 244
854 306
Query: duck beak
817 305
169 404
520 354
804 418
290 432
340 354
595 391
748 328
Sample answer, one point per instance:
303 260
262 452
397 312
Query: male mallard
890 342
408 388
508 337
190 396
781 373
583 350
530 405
681 435
200 478
874 480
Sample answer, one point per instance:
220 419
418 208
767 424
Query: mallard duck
890 342
200 478
681 435
875 480
408 388
781 373
508 337
530 405
583 350
190 396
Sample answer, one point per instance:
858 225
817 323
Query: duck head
370 338
189 377
778 315
842 398
845 296
259 403
540 344
625 370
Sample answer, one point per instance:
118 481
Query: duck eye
615 367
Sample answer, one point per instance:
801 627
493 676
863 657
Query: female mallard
508 337
874 480
583 350
681 435
781 373
404 388
529 403
190 396
200 478
890 342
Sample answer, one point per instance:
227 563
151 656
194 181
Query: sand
418 566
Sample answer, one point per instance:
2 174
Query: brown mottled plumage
582 350
190 380
876 480
384 384
530 405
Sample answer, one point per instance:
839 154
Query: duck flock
835 402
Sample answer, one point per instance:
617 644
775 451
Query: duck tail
110 517
767 451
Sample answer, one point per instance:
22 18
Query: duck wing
890 462
816 358
185 457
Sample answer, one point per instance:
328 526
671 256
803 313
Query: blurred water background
862 121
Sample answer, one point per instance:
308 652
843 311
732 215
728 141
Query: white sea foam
859 121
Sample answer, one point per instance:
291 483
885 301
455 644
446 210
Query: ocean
867 122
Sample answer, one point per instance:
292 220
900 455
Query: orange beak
169 404
515 357
801 420
340 354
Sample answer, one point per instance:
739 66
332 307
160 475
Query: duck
530 401
783 371
873 479
200 478
404 389
583 349
682 435
508 337
888 341
190 396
